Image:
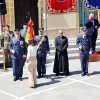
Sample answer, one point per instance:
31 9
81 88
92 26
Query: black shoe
20 78
57 74
83 74
87 74
43 75
66 74
35 86
32 86
38 77
15 79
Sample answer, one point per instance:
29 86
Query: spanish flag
30 32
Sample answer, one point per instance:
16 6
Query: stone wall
70 33
10 16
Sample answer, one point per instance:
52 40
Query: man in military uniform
42 50
6 35
84 44
17 48
24 31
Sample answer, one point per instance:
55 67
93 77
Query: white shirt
31 51
83 36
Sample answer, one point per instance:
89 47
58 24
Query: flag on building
92 4
30 33
61 6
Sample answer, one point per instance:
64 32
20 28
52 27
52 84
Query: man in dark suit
17 48
92 26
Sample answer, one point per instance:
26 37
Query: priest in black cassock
61 63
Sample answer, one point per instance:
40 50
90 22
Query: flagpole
39 12
45 17
78 17
83 12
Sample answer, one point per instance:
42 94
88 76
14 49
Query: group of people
33 53
86 42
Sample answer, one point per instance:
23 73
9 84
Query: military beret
41 28
16 30
25 24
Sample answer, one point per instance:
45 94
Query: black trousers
17 65
84 58
93 40
41 68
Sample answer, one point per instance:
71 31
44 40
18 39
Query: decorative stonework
61 6
90 6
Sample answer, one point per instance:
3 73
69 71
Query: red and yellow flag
30 33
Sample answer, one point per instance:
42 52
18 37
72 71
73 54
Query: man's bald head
60 32
91 16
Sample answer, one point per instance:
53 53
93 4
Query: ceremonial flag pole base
4 70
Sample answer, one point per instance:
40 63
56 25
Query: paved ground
73 87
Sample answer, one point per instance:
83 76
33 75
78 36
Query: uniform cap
41 28
16 30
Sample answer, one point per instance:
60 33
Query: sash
40 42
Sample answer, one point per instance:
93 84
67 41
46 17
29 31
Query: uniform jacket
44 47
23 33
5 38
91 27
85 43
20 50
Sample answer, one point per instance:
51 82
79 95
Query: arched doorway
24 9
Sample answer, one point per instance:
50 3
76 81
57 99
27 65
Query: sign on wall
61 6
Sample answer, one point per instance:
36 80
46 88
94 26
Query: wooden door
24 9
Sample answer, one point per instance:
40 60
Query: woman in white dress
31 63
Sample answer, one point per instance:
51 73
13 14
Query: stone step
72 51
